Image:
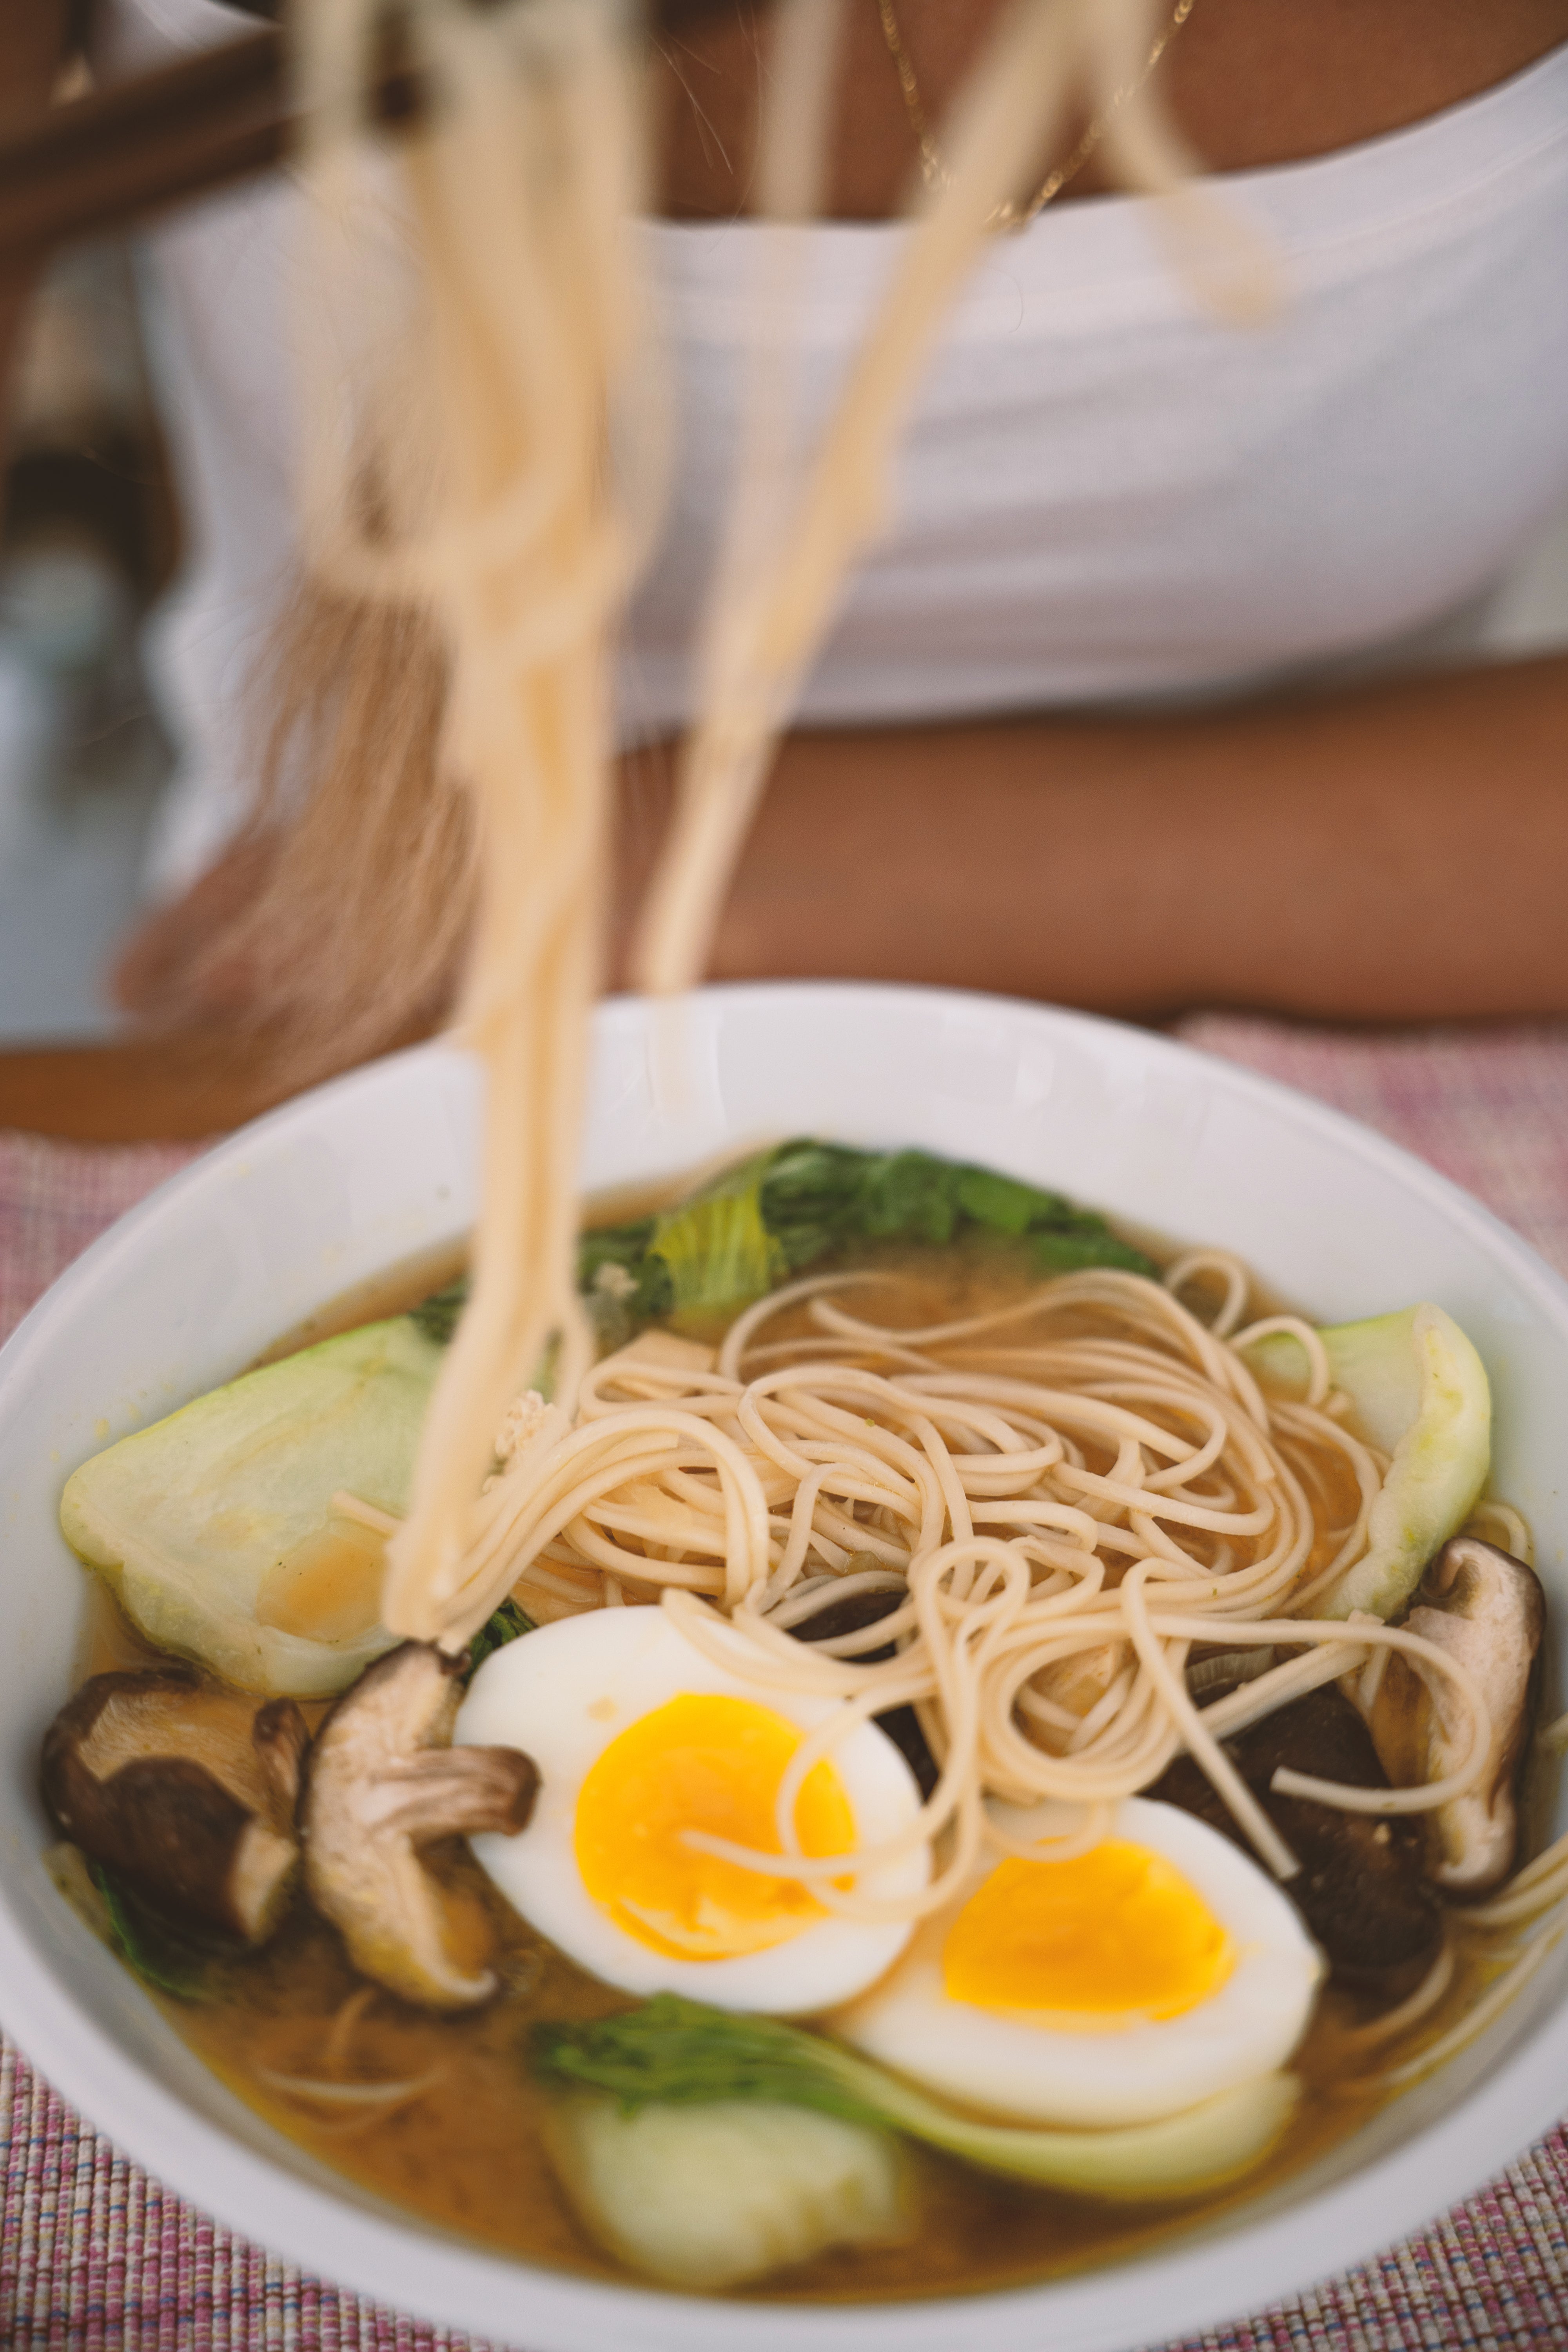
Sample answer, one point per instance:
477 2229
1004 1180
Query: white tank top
1105 495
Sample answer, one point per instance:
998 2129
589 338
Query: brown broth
468 2151
391 1292
392 1289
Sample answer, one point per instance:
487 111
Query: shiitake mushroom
1361 1888
383 1780
1487 1610
185 1792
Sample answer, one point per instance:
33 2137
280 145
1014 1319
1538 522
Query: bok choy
710 2197
677 2053
787 1209
217 1529
1421 1396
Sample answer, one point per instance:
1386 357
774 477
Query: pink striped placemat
94 2254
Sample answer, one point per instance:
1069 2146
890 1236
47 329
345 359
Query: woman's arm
1396 853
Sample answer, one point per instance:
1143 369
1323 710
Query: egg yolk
710 1763
1109 1938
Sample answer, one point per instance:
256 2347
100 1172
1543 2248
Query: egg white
1043 2073
563 1694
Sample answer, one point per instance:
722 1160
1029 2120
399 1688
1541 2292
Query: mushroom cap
383 1780
1360 1888
185 1792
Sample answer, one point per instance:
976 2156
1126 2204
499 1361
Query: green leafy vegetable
809 1193
820 1196
504 1625
1067 1252
145 1952
909 1196
716 1249
783 1211
436 1315
1003 1202
676 2052
617 1247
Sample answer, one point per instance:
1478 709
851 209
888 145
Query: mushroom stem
453 1792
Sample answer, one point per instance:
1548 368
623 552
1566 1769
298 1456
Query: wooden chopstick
106 162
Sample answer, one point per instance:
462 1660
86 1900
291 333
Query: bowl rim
353 2241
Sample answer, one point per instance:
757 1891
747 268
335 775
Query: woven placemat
94 2254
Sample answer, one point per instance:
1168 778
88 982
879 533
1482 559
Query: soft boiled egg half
640 1741
1117 1987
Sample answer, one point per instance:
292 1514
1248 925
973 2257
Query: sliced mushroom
1360 1888
1488 1611
384 1782
185 1792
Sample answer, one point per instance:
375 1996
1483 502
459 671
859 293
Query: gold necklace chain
1011 215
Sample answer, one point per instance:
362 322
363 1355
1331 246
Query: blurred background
90 542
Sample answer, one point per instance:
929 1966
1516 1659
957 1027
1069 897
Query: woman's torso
1105 495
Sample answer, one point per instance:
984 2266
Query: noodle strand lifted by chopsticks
478 481
489 503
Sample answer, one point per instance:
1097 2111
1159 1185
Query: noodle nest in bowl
1062 1498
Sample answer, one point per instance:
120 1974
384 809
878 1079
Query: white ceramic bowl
317 1197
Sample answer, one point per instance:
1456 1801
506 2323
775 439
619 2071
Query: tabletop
132 1093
